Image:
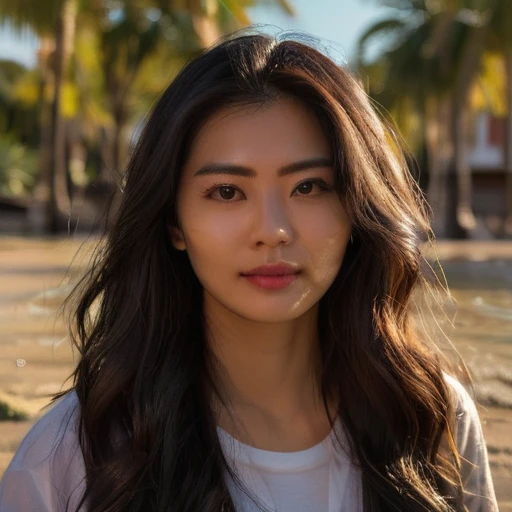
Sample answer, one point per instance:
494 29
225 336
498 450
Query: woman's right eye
225 193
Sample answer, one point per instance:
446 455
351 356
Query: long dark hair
146 378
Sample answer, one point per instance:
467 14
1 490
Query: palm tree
500 40
64 43
55 19
434 59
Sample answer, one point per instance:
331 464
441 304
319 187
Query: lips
273 277
281 269
272 282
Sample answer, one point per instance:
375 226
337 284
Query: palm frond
406 5
379 29
236 11
23 14
286 7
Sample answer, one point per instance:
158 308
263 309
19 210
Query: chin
271 313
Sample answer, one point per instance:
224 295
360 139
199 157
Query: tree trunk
460 220
36 211
508 144
459 216
118 160
59 203
117 145
439 151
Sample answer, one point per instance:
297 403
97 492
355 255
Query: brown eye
305 188
226 193
221 193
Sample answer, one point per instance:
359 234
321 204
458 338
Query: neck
270 366
269 376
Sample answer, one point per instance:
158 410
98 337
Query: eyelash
323 185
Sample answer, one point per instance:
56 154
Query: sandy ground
497 426
36 358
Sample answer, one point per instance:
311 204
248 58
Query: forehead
275 134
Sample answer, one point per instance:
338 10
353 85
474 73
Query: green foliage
10 73
422 59
31 15
18 167
7 413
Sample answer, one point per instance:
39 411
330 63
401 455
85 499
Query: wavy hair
146 378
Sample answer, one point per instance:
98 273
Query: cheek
216 233
326 235
212 240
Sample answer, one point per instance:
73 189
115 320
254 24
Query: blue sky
338 23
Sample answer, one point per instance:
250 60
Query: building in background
486 160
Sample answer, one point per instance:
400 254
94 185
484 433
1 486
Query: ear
177 238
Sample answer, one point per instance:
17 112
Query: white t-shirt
48 470
321 478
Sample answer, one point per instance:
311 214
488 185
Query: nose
272 226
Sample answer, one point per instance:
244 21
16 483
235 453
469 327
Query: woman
245 333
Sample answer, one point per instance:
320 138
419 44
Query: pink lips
272 277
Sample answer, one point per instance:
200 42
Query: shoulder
465 408
468 428
475 471
463 399
56 428
47 467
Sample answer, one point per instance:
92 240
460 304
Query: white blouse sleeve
47 472
479 495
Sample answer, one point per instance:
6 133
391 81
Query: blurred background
78 76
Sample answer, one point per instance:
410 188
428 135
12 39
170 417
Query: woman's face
253 192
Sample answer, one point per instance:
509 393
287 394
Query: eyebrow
240 170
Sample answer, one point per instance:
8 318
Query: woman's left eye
306 186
